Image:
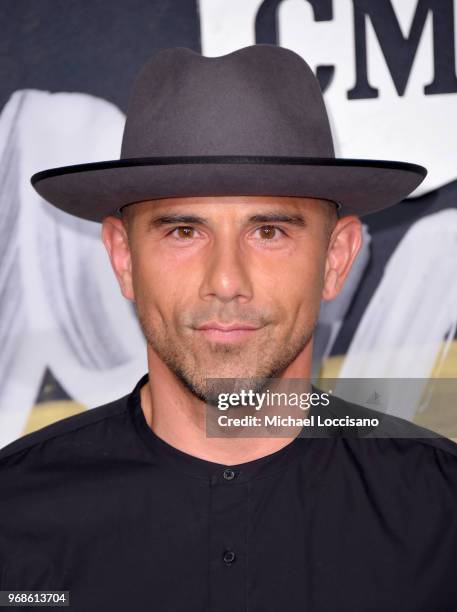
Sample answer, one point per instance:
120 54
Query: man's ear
115 239
344 245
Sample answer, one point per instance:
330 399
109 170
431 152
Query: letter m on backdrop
399 51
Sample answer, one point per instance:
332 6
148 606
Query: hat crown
259 100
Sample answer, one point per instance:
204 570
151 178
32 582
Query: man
227 220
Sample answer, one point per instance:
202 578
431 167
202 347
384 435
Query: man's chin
229 378
215 384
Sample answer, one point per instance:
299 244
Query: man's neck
179 418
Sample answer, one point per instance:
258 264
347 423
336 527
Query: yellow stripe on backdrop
45 413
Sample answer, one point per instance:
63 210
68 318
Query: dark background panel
90 46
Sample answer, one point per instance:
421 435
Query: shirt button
229 474
229 557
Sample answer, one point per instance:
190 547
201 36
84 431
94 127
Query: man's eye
269 232
183 232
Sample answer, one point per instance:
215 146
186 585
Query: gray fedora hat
252 122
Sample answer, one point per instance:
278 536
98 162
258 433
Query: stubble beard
232 375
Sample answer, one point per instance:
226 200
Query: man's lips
227 327
227 332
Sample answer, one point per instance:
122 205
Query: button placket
228 537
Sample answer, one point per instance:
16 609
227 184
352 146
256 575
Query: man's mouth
224 332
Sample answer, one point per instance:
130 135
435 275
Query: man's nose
226 275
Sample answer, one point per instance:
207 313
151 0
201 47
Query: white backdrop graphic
60 303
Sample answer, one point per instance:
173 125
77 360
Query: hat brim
96 190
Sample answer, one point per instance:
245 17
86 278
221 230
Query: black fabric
99 505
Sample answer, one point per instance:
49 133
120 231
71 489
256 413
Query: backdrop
68 339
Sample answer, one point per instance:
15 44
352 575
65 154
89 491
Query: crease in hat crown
251 122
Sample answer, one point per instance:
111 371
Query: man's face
196 264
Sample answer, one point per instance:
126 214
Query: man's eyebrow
161 220
296 219
157 222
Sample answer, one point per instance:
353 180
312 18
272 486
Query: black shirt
98 505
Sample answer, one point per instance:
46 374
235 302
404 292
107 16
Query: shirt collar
165 453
